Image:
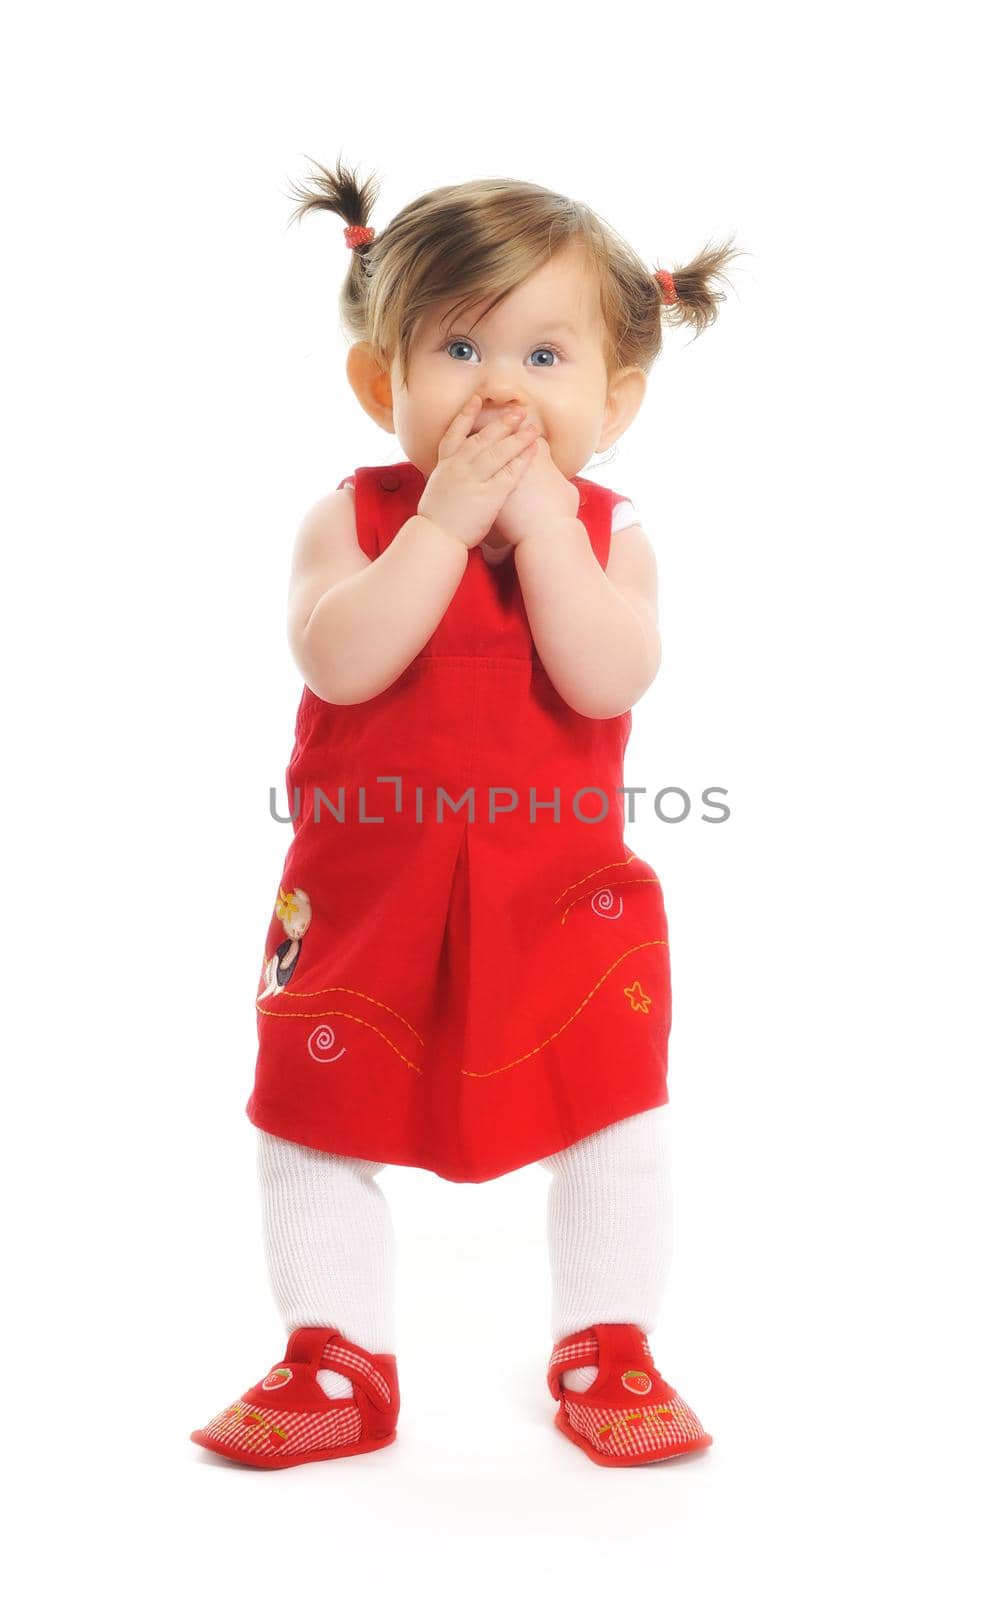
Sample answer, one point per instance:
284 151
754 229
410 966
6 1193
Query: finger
500 426
515 468
504 450
458 429
506 419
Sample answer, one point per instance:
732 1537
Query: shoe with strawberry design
287 1419
630 1416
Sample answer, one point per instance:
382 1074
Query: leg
329 1245
609 1228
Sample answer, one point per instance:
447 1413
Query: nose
499 397
501 386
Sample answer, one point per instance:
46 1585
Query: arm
596 631
355 624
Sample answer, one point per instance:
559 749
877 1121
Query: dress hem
285 1128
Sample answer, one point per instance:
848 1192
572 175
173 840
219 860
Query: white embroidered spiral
321 1040
604 901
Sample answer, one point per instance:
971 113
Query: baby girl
466 967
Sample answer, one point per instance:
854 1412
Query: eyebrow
559 327
547 327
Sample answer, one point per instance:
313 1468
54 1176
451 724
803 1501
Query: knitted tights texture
331 1253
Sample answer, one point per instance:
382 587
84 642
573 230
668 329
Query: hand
474 474
544 496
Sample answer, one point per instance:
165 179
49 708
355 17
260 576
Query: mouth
484 422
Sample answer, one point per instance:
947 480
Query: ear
623 402
371 383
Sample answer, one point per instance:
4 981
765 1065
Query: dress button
389 481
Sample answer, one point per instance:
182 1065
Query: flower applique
294 912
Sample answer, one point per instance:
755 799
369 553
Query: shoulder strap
596 504
385 497
365 518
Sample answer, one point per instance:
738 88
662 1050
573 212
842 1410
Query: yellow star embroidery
638 999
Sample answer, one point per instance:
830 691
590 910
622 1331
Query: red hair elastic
355 234
669 293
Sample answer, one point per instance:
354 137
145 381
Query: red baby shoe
630 1415
288 1419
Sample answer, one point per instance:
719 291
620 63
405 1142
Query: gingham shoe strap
327 1348
604 1345
576 1350
338 1355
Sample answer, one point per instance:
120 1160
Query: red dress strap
370 484
374 488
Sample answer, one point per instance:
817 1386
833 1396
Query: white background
808 470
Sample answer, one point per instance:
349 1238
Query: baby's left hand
542 497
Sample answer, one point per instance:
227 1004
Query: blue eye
544 349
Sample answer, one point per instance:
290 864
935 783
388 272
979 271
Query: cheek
562 407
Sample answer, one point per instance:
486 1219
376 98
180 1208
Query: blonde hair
479 240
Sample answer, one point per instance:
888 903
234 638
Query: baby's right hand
475 474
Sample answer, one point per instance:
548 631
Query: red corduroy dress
466 967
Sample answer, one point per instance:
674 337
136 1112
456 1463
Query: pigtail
689 296
341 193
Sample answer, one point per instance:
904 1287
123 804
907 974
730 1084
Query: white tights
330 1246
